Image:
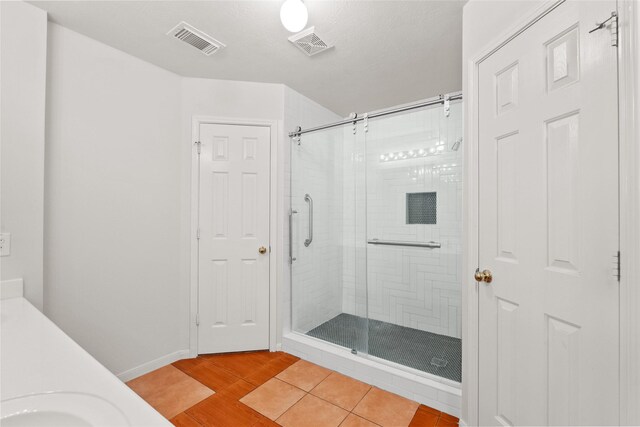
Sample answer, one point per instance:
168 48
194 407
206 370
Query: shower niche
382 275
422 208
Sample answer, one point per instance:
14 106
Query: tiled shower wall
317 163
413 287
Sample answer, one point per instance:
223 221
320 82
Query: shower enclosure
375 236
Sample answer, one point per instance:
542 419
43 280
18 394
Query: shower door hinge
617 266
198 148
197 319
612 23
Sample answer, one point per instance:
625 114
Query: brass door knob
483 276
262 250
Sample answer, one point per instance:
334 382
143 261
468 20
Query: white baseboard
145 368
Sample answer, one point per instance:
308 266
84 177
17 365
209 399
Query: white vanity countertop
37 357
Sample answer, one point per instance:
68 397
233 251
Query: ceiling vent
196 38
309 42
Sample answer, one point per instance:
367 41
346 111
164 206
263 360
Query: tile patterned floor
274 389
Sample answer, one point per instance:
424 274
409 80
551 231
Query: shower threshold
425 351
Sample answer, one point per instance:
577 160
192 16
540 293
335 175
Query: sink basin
64 409
44 418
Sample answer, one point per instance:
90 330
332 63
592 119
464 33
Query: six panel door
233 300
548 224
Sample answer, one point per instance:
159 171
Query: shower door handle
291 213
309 200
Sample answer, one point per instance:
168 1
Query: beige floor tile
273 398
311 411
304 375
169 390
386 409
356 421
341 390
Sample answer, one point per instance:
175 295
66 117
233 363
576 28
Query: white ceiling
386 52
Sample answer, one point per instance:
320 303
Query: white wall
483 22
112 206
23 77
118 171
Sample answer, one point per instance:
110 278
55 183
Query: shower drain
438 362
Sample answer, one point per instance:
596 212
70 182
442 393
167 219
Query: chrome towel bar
400 243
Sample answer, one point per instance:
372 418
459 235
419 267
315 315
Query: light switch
5 244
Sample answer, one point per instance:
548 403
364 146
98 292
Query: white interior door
233 283
548 224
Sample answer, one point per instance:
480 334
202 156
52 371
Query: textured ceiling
386 52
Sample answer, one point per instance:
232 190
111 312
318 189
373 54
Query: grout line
289 408
292 385
331 403
361 399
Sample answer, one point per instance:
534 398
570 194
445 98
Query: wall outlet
5 244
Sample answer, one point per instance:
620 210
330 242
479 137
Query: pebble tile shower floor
274 389
428 352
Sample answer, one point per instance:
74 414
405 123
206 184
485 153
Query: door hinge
614 29
198 146
618 269
198 233
197 319
612 23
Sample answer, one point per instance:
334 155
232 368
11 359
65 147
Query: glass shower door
328 268
414 231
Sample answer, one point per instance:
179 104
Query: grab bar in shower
291 213
400 243
309 200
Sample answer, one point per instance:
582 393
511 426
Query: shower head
456 144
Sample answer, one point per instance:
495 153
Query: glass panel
414 195
329 271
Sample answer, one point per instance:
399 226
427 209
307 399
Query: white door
548 224
233 282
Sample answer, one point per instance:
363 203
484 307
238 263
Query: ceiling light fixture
294 15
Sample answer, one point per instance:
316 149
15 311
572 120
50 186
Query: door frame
273 126
629 205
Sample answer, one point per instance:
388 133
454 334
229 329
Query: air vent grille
309 42
196 38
